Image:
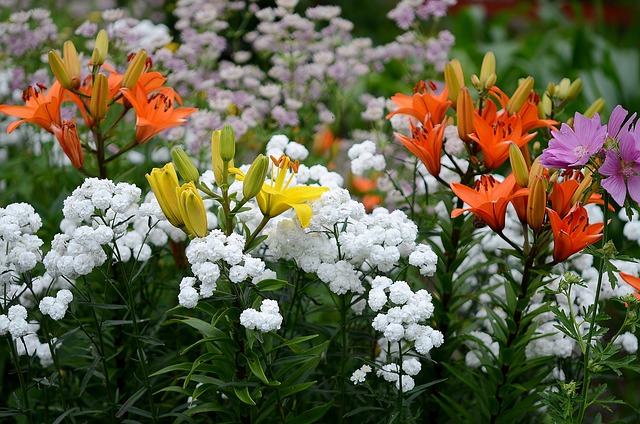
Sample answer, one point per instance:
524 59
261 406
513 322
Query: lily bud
135 69
579 194
488 69
72 63
219 166
67 136
535 171
164 182
518 165
491 81
536 204
596 107
453 79
520 96
545 106
551 89
254 178
60 70
465 113
227 143
563 88
99 97
475 81
192 210
574 89
99 54
186 168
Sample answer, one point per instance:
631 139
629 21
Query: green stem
592 324
23 387
259 228
343 359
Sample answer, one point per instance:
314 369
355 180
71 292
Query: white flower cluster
280 144
19 247
205 253
367 242
56 307
405 311
265 320
402 377
360 375
24 334
364 158
14 322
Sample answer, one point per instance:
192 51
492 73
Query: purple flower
572 147
616 121
622 169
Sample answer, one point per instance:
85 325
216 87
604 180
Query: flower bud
579 194
551 89
535 171
254 178
186 168
99 54
135 69
574 89
192 210
227 143
518 165
491 81
475 81
537 203
545 106
99 96
488 69
563 88
164 182
520 96
596 107
67 136
465 113
72 63
60 70
219 167
453 78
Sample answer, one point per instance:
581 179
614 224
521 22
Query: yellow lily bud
596 107
186 168
579 194
192 210
163 182
491 81
536 203
563 88
217 163
60 70
535 171
475 81
72 63
227 143
545 106
551 89
574 89
99 96
465 113
135 69
554 177
520 96
453 78
518 165
99 54
254 178
488 69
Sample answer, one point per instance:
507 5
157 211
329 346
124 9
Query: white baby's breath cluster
56 307
267 319
360 375
19 246
207 254
402 377
280 144
364 158
24 334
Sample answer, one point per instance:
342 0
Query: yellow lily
192 210
164 182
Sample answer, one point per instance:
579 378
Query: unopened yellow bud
72 63
563 88
518 165
488 68
520 96
254 178
99 54
554 177
491 81
536 203
186 168
465 114
453 79
574 89
545 106
536 171
596 107
227 143
60 70
581 191
135 69
192 210
99 96
219 167
551 89
164 182
475 81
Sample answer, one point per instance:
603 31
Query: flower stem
25 407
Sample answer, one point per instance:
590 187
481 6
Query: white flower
188 297
265 320
360 374
411 366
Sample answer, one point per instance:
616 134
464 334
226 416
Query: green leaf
185 366
243 395
271 284
129 403
311 415
288 391
292 343
256 368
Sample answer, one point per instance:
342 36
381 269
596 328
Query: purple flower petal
616 187
611 164
634 187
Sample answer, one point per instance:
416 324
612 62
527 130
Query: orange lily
156 113
426 143
562 193
494 138
423 105
488 200
42 109
528 113
633 281
572 233
67 136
